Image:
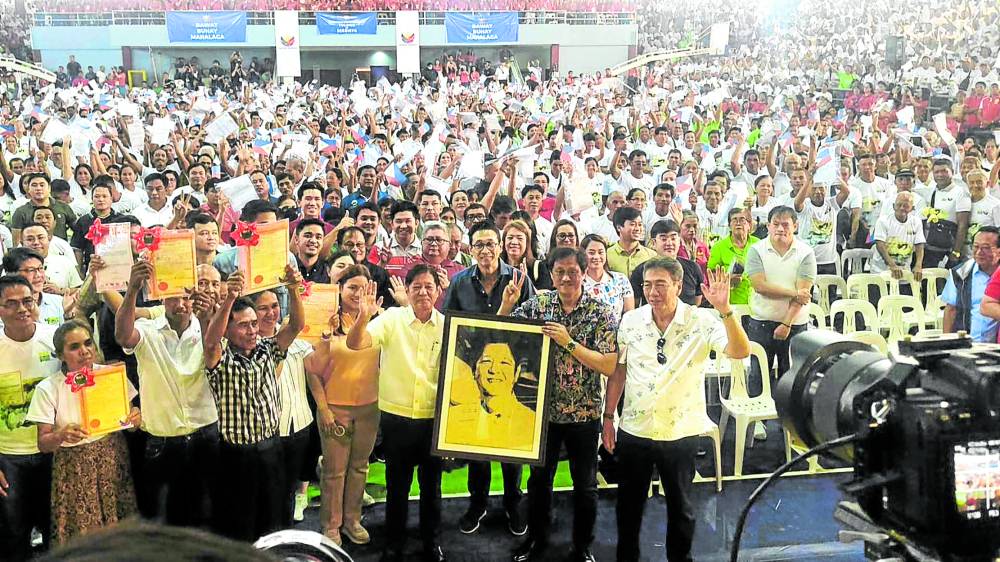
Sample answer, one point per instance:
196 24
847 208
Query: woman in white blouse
91 479
609 287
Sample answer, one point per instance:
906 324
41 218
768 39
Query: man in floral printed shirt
585 330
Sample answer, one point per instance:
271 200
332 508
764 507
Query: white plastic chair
712 432
823 285
817 313
898 314
853 261
849 308
859 285
893 283
744 408
873 339
936 278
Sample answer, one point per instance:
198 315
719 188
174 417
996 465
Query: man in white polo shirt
663 347
178 408
781 269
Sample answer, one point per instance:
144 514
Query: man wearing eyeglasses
584 329
25 473
480 289
663 347
435 245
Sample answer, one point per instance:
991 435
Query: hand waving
512 292
716 291
369 305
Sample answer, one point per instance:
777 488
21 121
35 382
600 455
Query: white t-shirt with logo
950 201
869 196
985 212
818 229
900 238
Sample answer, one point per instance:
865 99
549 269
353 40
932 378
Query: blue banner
481 27
346 23
207 27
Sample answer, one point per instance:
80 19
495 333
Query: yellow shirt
354 378
510 425
625 263
410 354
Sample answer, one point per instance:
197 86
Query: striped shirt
246 392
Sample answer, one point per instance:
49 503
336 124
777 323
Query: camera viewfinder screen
977 479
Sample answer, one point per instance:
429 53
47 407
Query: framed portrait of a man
493 389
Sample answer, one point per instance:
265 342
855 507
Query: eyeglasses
565 237
480 246
434 241
31 270
15 305
660 357
352 245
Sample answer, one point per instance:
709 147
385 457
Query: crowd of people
329 5
649 220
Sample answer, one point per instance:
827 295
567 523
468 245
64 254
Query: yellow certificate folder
173 265
322 302
263 265
105 406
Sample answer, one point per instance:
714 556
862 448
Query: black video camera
927 454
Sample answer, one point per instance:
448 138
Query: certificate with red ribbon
262 254
173 258
114 246
104 400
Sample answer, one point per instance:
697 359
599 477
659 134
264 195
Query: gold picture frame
494 387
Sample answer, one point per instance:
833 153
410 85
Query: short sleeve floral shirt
576 392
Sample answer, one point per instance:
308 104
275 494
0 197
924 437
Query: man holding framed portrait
584 330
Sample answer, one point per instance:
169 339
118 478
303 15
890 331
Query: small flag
262 147
328 145
824 156
786 139
276 134
813 114
6 131
684 184
395 176
360 138
841 117
566 154
104 102
38 114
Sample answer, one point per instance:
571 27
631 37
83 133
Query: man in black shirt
73 68
479 289
306 246
666 240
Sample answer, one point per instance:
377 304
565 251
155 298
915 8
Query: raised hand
512 292
369 305
399 291
142 270
234 285
716 291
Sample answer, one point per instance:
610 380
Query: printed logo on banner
354 23
288 41
407 37
481 27
207 27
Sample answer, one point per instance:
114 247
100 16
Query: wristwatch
571 346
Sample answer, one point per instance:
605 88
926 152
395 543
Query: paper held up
941 126
239 191
220 128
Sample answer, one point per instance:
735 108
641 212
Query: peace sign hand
512 292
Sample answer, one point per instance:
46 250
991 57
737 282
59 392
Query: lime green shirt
625 263
845 80
724 254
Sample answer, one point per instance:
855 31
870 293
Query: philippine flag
6 131
684 184
328 145
262 147
395 176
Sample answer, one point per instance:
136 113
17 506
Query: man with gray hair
663 349
435 247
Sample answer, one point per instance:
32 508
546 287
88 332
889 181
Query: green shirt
65 217
845 80
724 254
625 263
